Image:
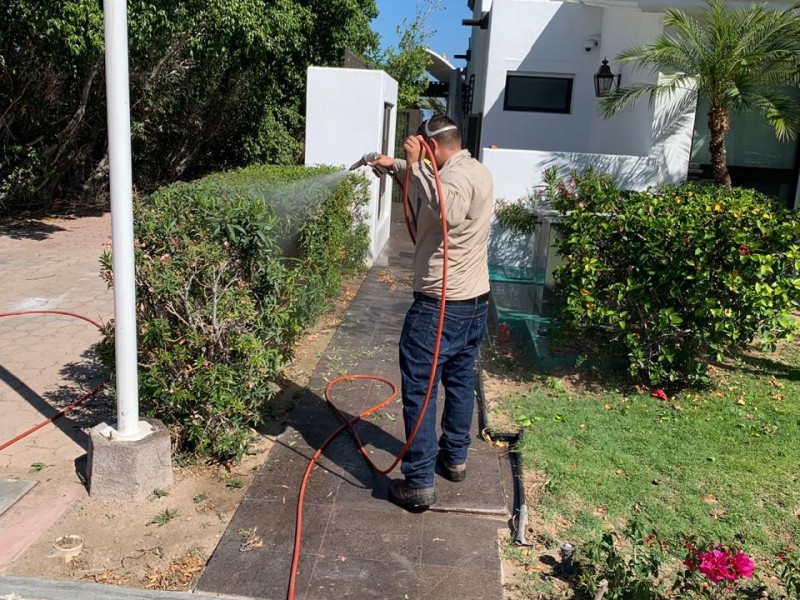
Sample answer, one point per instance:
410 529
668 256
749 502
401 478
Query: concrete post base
125 469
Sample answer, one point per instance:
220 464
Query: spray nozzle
367 158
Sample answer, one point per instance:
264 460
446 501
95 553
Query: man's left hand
415 151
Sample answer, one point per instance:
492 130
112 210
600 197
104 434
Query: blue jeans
464 328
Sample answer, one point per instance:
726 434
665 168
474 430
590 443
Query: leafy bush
628 576
682 275
640 565
230 270
522 215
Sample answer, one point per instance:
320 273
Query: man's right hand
383 161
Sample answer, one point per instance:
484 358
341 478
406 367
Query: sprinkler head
567 558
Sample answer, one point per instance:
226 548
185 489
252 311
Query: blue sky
451 36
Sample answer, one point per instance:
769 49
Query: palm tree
736 59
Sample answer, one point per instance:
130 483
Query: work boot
452 472
411 498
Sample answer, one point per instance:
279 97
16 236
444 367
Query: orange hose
348 424
71 406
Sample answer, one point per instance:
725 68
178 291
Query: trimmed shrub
230 270
682 276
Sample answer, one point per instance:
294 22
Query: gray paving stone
388 533
446 542
11 490
447 583
361 579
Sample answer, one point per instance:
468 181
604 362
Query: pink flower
744 250
714 565
743 565
660 394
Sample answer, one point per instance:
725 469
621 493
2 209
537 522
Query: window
756 157
537 93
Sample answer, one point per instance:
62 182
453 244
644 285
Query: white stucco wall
344 121
517 172
545 37
644 146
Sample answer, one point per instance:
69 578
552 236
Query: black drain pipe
514 440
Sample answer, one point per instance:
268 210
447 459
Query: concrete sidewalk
25 588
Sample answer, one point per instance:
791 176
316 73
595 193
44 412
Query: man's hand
415 151
384 162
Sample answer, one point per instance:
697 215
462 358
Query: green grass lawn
722 464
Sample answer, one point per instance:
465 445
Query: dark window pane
538 94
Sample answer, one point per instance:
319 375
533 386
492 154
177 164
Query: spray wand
367 158
410 217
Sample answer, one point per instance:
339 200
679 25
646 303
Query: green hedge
230 270
682 276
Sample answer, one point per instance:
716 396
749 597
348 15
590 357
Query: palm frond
734 57
626 97
780 111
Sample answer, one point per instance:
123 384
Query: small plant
37 467
234 484
158 493
522 215
164 517
787 566
629 564
199 498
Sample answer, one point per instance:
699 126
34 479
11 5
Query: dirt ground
165 540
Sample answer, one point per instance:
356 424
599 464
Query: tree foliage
408 61
214 84
736 59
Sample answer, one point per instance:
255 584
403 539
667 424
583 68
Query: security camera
590 44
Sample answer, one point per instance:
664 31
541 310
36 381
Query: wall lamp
605 81
483 22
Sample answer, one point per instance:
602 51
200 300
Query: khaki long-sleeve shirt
468 196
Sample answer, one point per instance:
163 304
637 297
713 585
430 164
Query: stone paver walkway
46 363
356 543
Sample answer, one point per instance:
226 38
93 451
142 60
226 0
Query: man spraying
467 189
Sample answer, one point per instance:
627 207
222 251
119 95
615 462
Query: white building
529 102
351 112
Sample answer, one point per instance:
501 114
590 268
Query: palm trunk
719 124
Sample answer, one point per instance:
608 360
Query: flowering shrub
640 565
713 570
682 276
